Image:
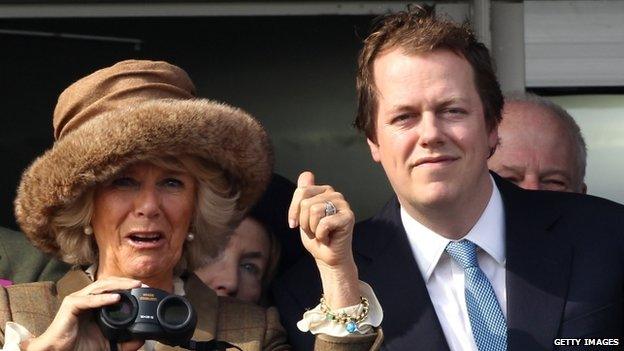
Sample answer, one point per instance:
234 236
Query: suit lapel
386 262
74 280
537 268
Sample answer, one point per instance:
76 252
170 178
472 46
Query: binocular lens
175 312
121 312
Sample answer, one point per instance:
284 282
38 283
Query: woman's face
140 221
240 267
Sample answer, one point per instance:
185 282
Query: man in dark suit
460 259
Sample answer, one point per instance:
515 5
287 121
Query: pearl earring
190 237
88 229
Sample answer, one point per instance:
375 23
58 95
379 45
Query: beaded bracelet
349 321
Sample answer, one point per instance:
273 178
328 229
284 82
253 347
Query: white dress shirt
444 278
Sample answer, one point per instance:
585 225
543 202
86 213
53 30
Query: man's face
536 151
431 136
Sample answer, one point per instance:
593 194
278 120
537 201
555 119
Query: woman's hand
327 237
72 328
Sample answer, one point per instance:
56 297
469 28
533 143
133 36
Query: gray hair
563 116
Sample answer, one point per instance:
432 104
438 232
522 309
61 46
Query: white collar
488 234
178 284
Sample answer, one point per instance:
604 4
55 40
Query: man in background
540 146
20 262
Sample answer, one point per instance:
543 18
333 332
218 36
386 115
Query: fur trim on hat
104 145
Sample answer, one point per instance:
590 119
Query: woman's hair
271 211
213 221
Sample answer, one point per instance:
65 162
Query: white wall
601 118
574 43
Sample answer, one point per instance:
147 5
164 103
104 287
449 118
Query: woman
142 182
245 268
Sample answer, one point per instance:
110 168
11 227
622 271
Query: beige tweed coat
248 326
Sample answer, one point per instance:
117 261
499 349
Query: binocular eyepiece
148 314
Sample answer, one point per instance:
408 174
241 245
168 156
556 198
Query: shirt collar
488 233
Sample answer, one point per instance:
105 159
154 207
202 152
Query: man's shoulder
12 237
17 244
387 218
565 203
21 262
582 206
589 218
578 219
16 252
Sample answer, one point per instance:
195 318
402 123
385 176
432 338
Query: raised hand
326 236
326 223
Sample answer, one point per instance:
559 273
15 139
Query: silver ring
330 208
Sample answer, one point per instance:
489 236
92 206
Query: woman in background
245 268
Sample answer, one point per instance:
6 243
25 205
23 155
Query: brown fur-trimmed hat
132 111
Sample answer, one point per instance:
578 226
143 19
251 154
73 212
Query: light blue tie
486 317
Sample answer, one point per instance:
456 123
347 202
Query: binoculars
148 314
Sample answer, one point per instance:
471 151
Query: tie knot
464 252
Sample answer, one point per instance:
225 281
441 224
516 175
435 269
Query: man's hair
562 115
418 30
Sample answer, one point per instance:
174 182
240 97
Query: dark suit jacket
565 274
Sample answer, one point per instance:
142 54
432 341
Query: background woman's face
140 221
240 267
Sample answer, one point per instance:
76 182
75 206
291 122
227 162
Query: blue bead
351 327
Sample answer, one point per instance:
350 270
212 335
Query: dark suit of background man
430 104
